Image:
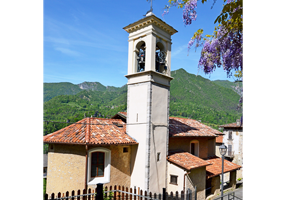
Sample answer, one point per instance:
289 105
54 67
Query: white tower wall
148 103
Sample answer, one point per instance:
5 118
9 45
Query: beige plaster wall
198 177
67 168
176 171
120 166
215 185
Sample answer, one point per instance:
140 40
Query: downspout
184 180
87 134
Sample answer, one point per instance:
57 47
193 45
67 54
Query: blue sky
85 40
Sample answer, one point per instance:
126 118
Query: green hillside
54 89
235 86
191 96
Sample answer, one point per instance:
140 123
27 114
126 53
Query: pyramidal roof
92 131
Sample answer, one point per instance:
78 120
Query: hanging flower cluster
189 12
225 49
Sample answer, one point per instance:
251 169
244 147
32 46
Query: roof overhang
150 20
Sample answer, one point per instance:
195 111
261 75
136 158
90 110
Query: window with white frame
98 166
194 147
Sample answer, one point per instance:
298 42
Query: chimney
238 122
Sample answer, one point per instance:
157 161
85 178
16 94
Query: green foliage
54 89
110 195
235 86
191 96
44 186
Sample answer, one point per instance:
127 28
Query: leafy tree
223 48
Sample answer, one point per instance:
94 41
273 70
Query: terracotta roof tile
179 127
216 167
187 160
92 131
232 125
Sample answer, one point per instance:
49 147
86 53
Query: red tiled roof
187 160
232 125
179 127
216 167
92 131
219 139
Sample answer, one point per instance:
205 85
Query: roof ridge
87 133
60 130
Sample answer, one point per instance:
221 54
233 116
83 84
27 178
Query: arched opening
194 147
140 56
160 58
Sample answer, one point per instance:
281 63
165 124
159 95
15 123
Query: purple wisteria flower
189 12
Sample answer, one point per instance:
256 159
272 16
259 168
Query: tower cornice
150 20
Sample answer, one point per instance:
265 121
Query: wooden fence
122 193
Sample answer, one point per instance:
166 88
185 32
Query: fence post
164 194
99 191
195 192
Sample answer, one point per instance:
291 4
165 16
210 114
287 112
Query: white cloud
67 51
179 50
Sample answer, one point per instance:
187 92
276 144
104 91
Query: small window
158 156
51 146
230 135
97 169
173 179
125 149
230 150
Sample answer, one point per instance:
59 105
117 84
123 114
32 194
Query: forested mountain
54 89
191 96
235 86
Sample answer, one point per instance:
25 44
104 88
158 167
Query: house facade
233 139
142 147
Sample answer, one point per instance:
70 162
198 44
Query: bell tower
149 76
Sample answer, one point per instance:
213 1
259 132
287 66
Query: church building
143 147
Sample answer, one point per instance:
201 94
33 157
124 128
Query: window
230 150
230 135
158 156
98 166
125 149
194 147
173 179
